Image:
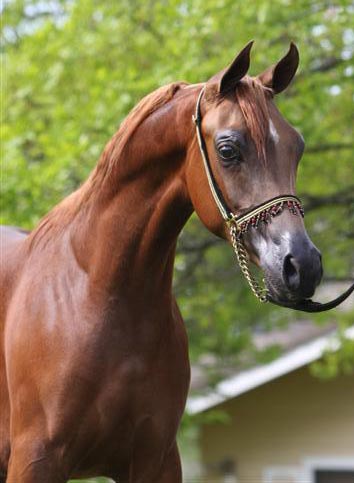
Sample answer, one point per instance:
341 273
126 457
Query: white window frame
326 463
279 471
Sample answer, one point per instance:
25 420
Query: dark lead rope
309 305
263 213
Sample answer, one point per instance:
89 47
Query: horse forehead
280 130
226 115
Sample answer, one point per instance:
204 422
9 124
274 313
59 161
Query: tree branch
344 197
320 148
197 246
325 65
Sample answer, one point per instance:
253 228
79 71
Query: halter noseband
240 224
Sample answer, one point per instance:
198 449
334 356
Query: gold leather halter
263 213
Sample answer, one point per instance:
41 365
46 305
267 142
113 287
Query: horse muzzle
302 268
292 278
293 268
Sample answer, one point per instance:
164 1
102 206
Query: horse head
253 153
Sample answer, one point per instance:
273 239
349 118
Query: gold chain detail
242 258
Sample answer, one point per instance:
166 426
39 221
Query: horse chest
140 390
133 367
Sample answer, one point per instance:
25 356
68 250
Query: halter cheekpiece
252 218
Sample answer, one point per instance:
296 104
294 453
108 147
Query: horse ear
279 76
238 69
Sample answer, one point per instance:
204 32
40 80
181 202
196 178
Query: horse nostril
291 273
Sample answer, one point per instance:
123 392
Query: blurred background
268 385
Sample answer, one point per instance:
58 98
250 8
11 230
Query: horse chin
278 291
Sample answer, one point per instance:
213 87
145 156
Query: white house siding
280 431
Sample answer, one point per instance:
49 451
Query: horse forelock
252 99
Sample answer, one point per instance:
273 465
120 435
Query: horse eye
229 152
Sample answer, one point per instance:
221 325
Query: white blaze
273 132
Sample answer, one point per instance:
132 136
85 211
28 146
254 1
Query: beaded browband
263 213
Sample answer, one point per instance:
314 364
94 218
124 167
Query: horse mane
61 215
116 146
252 98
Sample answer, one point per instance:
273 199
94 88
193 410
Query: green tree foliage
72 70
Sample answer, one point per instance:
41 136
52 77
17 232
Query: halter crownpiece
261 214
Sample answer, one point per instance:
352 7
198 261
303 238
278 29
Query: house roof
249 379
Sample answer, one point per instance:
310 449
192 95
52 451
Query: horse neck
128 241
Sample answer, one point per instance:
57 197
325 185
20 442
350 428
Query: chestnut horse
94 363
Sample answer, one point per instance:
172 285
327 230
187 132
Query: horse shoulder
11 242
